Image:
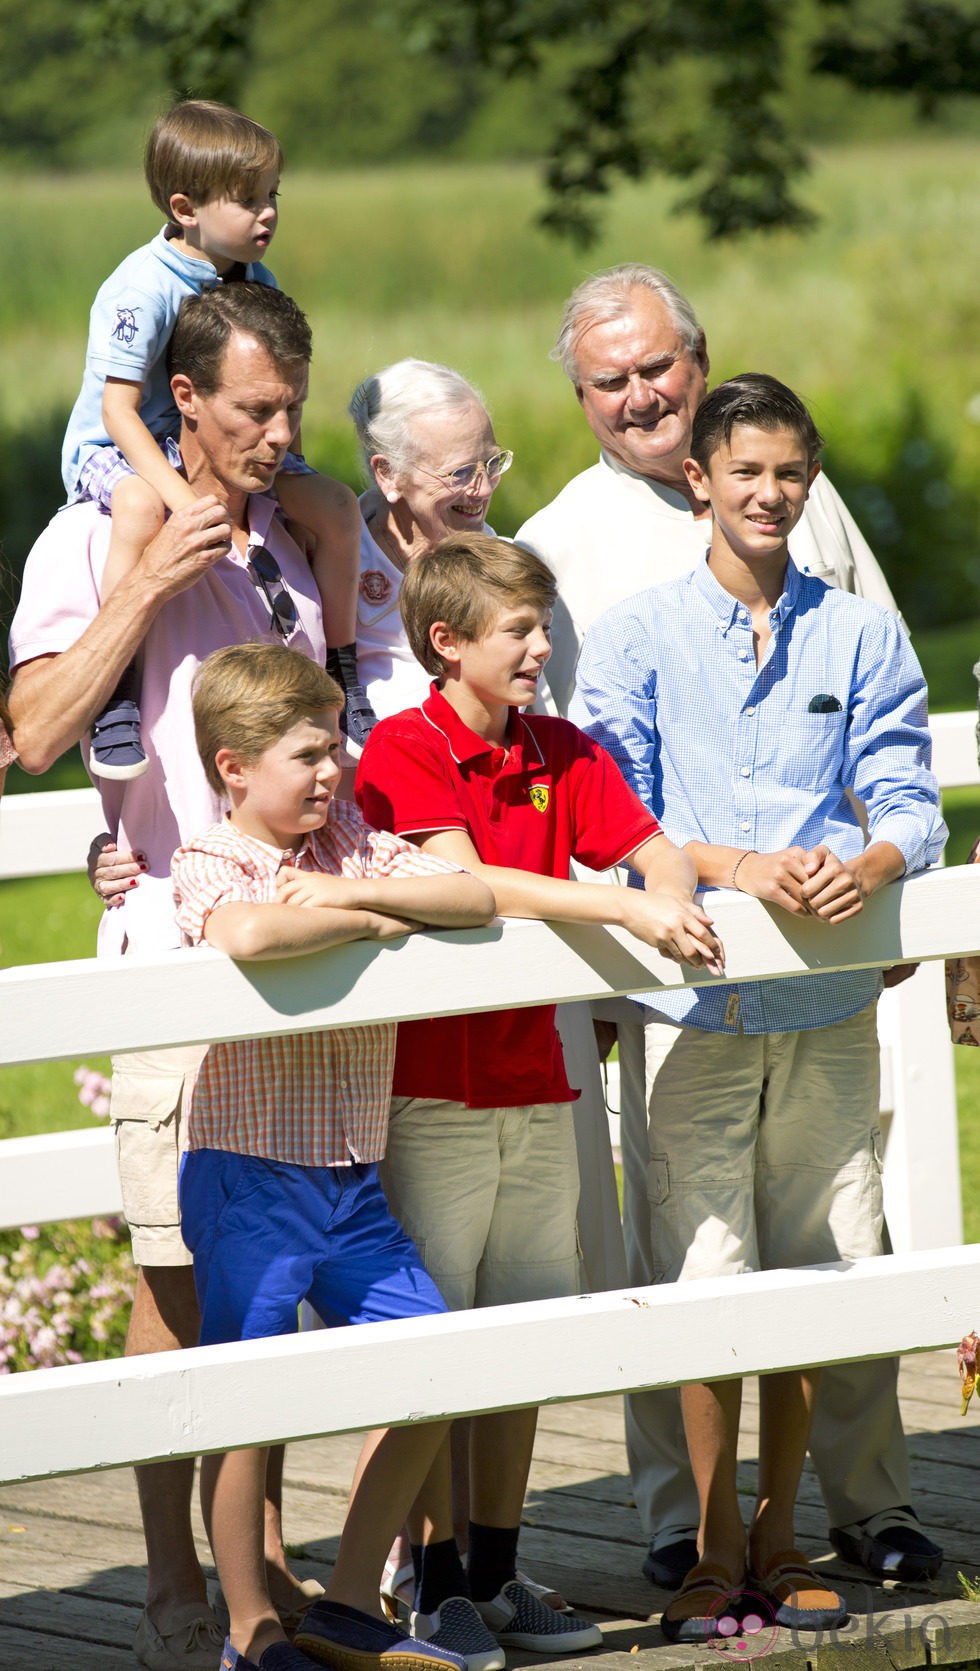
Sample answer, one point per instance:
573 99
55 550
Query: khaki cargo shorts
148 1107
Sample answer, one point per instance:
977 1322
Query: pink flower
93 1090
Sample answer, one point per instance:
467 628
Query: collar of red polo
464 744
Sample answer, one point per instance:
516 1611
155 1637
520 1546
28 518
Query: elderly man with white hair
636 355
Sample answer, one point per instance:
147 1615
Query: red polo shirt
549 796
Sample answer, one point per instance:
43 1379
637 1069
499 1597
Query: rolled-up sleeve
888 746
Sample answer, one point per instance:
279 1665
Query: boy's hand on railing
834 890
112 873
318 890
676 927
778 878
305 887
837 890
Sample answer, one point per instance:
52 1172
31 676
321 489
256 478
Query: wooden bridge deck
71 1575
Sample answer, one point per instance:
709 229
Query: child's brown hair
247 696
207 150
465 581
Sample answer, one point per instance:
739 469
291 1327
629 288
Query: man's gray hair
606 296
384 407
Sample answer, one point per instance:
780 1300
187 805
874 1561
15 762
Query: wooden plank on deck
72 1578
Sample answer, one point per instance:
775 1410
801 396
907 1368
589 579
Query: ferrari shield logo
540 796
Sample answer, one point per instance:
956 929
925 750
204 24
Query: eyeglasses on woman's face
464 475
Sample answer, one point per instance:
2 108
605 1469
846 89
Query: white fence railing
101 1415
105 1415
50 833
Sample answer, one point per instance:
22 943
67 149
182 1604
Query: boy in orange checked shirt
280 1197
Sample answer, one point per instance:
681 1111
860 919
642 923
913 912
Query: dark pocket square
823 705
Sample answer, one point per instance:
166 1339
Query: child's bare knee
137 507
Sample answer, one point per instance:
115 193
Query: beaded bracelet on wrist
738 861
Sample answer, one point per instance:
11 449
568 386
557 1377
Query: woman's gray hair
606 296
385 406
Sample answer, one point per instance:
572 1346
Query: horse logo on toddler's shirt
124 329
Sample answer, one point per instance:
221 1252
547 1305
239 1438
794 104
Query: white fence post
923 1203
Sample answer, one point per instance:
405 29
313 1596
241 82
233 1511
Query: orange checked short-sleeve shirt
309 1099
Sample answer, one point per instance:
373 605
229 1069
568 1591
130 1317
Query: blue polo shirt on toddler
131 323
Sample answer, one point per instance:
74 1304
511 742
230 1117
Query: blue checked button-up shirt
739 756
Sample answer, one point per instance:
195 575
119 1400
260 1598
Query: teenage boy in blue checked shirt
742 702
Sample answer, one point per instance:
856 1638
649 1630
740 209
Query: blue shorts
266 1235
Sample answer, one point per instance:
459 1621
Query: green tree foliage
80 85
621 117
51 88
204 43
723 98
919 516
740 148
930 48
336 91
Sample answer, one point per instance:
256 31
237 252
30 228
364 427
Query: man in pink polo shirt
223 571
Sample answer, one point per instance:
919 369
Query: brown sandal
799 1598
707 1596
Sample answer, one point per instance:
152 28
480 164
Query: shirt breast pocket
812 744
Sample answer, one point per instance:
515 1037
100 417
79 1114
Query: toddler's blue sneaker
117 751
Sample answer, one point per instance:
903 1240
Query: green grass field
873 317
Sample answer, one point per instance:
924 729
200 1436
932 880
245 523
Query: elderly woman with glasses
433 463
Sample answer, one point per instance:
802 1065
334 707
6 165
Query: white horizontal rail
91 1006
63 1174
103 1415
49 831
56 1421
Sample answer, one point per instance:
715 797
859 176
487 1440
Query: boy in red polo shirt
481 1167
